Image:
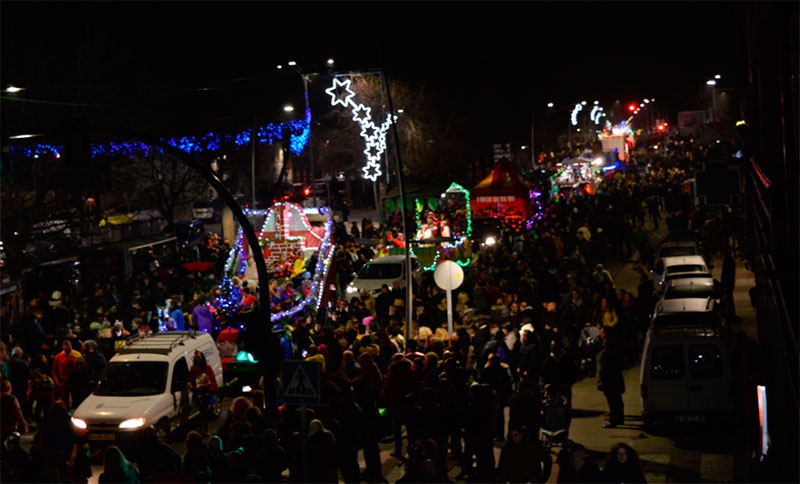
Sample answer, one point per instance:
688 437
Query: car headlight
79 423
490 240
352 290
133 423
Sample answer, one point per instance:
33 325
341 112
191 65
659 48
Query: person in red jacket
63 365
203 384
398 384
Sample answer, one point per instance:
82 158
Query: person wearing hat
57 314
286 342
576 467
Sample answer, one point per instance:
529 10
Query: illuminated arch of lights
374 134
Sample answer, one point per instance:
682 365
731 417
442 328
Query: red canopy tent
504 192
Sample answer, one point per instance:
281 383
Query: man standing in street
63 364
95 361
20 376
611 381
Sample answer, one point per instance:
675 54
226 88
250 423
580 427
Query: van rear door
666 379
708 376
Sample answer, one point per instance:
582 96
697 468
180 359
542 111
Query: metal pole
533 145
254 140
714 105
310 144
401 188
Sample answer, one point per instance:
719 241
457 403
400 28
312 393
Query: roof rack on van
688 330
161 343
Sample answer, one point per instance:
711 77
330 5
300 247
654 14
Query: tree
156 180
433 139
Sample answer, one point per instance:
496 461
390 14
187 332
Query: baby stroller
589 344
556 419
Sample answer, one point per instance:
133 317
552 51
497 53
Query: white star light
374 135
362 114
371 171
373 151
369 131
340 92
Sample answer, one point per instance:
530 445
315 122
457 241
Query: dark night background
497 62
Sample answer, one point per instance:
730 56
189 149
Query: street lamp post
713 84
305 77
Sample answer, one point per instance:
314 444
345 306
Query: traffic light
306 191
632 107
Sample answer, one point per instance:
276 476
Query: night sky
497 62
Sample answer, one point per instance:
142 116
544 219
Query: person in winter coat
116 468
623 465
498 376
559 370
522 458
397 387
610 378
576 468
530 361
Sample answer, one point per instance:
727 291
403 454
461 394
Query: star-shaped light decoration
361 114
369 131
374 135
340 92
372 171
373 151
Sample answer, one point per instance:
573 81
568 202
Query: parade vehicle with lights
443 225
285 235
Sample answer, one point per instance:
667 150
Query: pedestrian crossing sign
300 382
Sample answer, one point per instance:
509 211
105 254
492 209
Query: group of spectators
531 316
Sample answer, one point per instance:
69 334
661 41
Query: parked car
692 287
680 267
672 249
206 210
381 270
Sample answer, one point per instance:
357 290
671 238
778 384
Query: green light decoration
433 203
245 356
445 247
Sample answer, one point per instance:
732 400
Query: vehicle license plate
690 418
102 437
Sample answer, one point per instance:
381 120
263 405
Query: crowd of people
538 310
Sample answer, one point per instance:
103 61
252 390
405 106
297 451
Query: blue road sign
300 382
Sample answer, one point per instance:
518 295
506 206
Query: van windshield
133 379
380 271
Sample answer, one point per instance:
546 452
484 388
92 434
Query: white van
685 377
381 270
145 384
